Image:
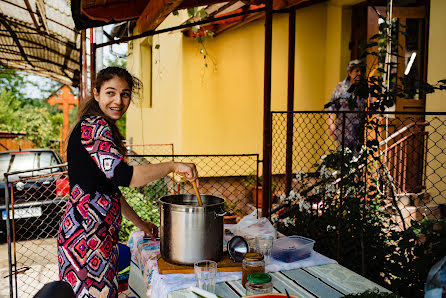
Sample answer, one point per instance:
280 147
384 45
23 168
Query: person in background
89 230
345 99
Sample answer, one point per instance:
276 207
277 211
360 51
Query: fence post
290 102
8 236
341 194
267 111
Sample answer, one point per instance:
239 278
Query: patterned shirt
343 100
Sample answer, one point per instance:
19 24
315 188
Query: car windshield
11 162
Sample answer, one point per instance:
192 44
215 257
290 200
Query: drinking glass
206 275
264 245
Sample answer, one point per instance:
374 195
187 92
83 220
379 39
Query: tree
32 115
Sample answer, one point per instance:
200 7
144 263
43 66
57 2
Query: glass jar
252 262
259 283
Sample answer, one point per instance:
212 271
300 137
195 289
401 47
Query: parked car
39 192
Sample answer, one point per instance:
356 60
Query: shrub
142 201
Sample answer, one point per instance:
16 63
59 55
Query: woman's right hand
187 170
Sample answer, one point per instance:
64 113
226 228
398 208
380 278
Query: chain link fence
226 176
362 185
36 201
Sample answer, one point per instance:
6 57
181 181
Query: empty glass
206 275
264 245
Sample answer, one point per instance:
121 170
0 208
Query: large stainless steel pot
188 232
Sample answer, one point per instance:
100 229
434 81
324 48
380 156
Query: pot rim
203 196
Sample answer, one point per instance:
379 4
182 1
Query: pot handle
221 214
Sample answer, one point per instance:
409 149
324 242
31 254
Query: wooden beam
16 40
31 13
41 11
194 3
154 13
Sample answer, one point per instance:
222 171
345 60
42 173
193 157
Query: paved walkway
40 255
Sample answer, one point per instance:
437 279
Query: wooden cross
65 101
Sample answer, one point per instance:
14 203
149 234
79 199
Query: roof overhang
39 37
149 14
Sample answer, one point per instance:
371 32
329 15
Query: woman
88 232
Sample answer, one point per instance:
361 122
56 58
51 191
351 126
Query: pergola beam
154 14
16 40
31 13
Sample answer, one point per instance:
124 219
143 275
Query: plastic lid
259 278
253 256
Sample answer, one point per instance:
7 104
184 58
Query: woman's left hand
149 228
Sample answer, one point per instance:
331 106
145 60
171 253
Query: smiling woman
113 98
89 229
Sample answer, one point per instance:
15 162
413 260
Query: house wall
436 102
156 117
229 92
218 109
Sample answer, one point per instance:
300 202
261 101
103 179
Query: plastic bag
435 286
250 226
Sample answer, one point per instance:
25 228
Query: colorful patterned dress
88 232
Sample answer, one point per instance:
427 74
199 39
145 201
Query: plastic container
292 248
259 283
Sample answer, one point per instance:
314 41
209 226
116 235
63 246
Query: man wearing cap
345 99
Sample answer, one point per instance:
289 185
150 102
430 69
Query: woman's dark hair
91 107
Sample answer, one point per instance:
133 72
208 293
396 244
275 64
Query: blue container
291 249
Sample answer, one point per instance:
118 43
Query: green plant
142 201
40 122
345 208
200 32
252 180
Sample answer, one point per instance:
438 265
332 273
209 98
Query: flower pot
230 219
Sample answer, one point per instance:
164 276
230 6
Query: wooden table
330 280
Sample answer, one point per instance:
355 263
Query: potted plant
255 183
233 214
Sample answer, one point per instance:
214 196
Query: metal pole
99 52
290 103
14 241
8 235
92 60
155 32
84 66
341 194
267 136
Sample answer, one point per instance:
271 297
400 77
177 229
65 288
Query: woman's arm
149 228
143 174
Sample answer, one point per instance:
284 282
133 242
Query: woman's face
113 97
355 75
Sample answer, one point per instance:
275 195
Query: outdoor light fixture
409 65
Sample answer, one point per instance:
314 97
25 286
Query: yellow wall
218 109
159 120
230 97
436 102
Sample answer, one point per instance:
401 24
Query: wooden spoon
200 202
